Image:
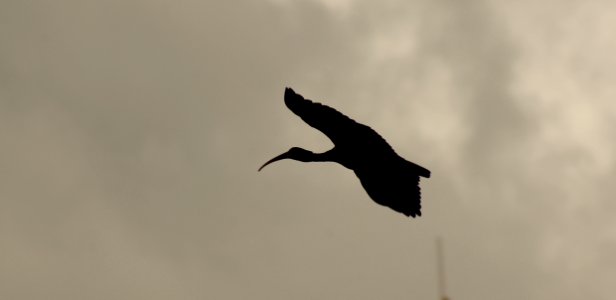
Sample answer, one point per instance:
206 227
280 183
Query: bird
387 178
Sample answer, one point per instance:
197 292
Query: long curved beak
277 158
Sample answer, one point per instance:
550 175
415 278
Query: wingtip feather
291 98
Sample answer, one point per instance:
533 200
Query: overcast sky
131 132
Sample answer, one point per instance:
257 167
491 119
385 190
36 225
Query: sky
131 132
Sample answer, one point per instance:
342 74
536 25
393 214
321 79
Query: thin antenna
442 288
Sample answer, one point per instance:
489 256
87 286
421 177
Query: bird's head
294 153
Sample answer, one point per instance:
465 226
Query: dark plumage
389 179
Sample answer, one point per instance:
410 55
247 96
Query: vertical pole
442 288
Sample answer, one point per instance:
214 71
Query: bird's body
389 179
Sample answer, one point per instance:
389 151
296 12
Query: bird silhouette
389 179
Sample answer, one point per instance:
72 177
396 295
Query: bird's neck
310 156
319 157
332 155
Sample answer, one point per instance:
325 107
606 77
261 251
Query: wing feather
400 193
340 129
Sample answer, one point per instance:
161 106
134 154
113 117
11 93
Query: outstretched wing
398 191
340 129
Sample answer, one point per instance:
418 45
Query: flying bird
389 179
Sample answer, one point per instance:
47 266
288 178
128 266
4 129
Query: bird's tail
423 172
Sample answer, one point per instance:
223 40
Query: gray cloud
132 130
